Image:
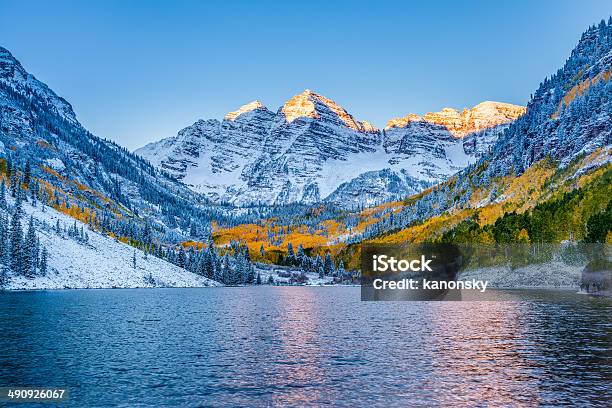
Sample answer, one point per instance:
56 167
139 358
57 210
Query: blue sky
140 71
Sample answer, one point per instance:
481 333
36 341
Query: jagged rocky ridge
313 150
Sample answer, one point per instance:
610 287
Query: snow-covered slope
102 262
449 139
40 127
313 150
209 155
374 187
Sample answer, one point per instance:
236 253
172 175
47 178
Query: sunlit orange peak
482 116
244 109
304 105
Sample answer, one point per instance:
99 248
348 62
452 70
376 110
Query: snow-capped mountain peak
312 149
311 104
403 121
459 124
300 105
249 107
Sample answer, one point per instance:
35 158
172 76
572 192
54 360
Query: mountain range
502 173
312 150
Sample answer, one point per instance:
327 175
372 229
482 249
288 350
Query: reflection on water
295 363
306 347
485 358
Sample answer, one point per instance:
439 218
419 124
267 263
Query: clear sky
139 71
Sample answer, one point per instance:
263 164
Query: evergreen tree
328 265
258 281
318 263
208 264
18 203
147 234
239 274
134 259
300 255
3 237
306 264
29 251
340 270
181 259
6 245
217 262
249 272
3 204
4 276
15 238
14 184
217 270
290 254
227 271
43 262
33 194
190 264
599 225
247 254
27 174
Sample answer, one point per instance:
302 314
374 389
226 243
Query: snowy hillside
101 262
40 128
566 130
313 150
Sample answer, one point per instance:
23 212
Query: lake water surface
301 346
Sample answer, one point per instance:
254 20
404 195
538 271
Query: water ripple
296 346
